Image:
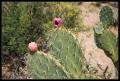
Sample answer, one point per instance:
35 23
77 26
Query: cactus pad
106 16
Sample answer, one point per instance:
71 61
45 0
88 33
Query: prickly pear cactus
108 41
105 39
66 48
41 66
106 16
64 60
99 29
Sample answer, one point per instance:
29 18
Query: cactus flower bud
33 46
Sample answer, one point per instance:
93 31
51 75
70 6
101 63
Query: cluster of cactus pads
63 61
105 39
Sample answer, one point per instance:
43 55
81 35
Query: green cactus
99 29
106 16
66 48
64 59
107 41
42 66
115 56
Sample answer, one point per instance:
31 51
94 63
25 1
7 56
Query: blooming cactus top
33 46
57 22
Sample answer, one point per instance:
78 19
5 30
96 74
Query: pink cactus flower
33 46
57 22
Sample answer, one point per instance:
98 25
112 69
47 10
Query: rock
90 14
91 19
95 56
5 71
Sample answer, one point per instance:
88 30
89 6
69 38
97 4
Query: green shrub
23 22
14 26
